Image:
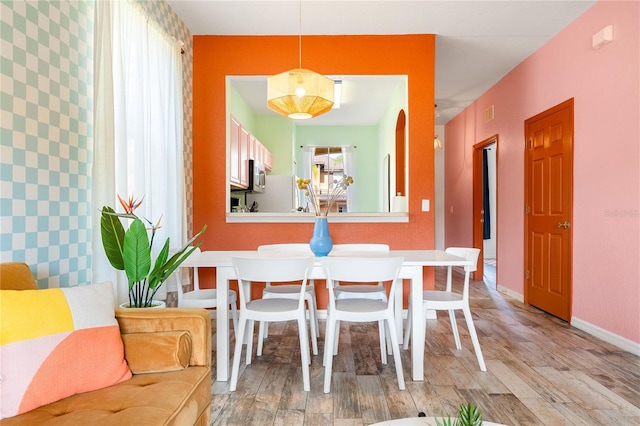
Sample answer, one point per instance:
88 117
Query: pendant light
300 93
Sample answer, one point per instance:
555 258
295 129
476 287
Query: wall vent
488 114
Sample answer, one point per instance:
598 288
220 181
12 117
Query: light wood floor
540 371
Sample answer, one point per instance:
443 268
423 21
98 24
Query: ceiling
477 43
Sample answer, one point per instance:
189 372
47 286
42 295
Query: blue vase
321 243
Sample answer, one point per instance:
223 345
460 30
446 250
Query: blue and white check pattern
46 103
46 133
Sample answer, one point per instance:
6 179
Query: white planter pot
156 304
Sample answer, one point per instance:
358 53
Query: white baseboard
619 341
512 294
602 334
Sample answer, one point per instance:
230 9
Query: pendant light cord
300 36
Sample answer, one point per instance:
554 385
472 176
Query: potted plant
131 251
468 415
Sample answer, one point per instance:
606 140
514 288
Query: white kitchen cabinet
244 146
239 143
234 152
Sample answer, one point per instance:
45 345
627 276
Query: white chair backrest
274 270
285 247
362 270
383 248
467 253
178 272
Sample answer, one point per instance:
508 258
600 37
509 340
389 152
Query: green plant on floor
468 415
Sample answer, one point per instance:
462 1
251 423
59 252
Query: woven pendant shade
299 93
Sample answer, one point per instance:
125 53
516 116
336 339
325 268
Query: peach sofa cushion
175 398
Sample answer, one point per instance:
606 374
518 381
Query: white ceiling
478 42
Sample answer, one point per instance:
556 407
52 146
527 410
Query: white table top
222 258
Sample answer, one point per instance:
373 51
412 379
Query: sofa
168 352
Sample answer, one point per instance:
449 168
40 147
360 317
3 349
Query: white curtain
138 146
348 154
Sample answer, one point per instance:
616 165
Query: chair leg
237 353
328 352
313 324
305 358
336 338
407 330
383 346
388 340
315 313
454 326
234 318
262 325
474 337
396 352
263 331
249 341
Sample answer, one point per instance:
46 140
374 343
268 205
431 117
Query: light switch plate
425 205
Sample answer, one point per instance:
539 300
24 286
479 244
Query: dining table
412 269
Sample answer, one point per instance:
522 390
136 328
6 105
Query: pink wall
606 223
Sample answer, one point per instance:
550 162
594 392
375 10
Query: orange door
548 210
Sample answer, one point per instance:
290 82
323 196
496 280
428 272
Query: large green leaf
137 252
162 270
112 233
161 260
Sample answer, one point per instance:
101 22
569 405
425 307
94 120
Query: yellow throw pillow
58 342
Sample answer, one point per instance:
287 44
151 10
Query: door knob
564 225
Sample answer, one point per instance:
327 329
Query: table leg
417 322
223 275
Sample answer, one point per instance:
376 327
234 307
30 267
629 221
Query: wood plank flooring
540 371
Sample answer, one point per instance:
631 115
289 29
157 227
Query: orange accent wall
215 57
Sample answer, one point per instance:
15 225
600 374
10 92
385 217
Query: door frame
478 240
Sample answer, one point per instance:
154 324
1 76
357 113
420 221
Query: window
325 166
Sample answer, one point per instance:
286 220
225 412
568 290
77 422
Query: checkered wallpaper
46 133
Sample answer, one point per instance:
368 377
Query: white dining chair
205 298
361 270
373 291
366 291
275 309
291 291
448 300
